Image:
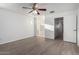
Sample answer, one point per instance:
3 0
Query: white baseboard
4 42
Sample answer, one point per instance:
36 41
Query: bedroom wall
78 29
49 26
69 18
69 25
15 26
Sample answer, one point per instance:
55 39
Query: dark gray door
58 28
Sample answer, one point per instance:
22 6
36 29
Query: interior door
70 28
58 27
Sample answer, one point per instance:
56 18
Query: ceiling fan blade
31 11
26 7
42 9
38 12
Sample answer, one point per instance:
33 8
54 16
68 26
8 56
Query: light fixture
34 12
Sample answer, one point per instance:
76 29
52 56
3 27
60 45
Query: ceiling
57 7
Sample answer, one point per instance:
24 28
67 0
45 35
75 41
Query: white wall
14 26
78 29
49 21
69 18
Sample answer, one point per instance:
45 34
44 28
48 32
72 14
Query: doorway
58 27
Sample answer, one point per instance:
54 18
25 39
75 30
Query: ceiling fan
35 8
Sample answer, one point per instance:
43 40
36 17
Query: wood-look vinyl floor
39 46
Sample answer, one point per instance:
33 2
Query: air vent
26 8
52 11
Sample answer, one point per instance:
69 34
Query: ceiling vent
52 11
